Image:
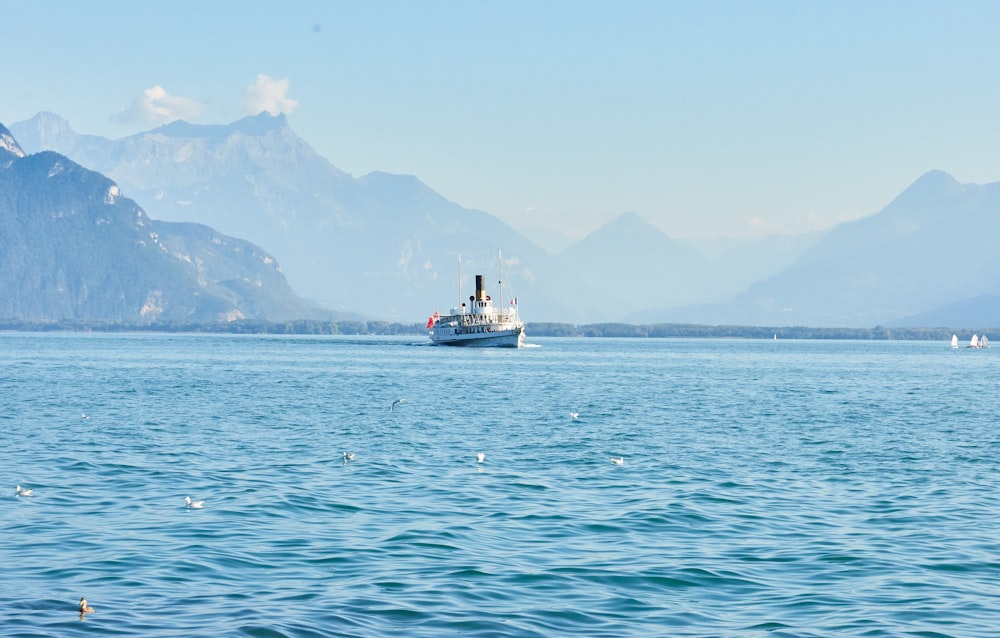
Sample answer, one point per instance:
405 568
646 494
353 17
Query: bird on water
84 607
194 504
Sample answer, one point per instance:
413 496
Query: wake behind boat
480 323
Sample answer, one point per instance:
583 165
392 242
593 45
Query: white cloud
155 106
268 95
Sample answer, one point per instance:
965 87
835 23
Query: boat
954 341
984 342
479 324
974 342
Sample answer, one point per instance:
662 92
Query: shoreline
540 329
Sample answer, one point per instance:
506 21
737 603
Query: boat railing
494 316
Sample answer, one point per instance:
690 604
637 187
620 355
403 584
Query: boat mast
500 268
460 283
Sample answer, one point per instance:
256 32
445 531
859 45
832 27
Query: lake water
769 488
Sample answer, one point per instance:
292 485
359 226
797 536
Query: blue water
788 488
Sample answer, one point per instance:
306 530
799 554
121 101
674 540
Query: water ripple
812 489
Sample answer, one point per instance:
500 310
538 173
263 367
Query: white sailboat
974 342
984 342
954 341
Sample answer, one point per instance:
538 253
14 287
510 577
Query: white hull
513 338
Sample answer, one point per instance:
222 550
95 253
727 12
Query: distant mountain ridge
73 248
389 247
381 244
931 247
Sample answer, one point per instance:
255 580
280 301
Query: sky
706 118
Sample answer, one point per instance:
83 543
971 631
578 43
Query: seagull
348 456
481 457
84 607
395 402
618 461
194 504
84 416
19 491
574 415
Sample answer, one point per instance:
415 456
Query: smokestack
480 289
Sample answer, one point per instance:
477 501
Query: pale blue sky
726 118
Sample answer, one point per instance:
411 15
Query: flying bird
618 461
20 491
395 402
574 415
481 457
194 504
348 456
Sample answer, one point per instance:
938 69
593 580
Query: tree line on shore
615 330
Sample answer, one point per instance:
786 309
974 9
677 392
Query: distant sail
954 341
974 342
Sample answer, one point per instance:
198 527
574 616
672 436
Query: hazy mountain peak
630 218
401 196
259 124
398 187
630 224
38 132
49 124
931 185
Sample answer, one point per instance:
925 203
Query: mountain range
386 245
389 247
926 259
73 248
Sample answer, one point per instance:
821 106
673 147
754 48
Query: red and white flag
432 319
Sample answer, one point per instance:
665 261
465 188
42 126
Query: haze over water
780 488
